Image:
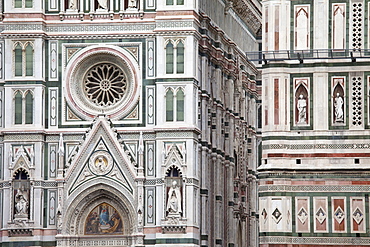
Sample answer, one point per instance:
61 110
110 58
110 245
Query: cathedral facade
314 175
128 123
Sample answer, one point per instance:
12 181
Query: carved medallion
101 163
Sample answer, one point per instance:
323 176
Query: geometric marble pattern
357 215
339 214
276 215
302 215
320 215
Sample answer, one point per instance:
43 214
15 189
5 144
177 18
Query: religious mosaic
103 219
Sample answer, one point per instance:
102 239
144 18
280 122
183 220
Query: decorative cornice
314 240
249 14
313 188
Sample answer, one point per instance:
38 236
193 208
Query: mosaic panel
53 60
52 206
150 206
320 210
53 107
104 220
52 160
150 159
339 214
150 105
150 58
357 215
302 214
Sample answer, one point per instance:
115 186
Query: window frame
176 117
175 57
27 117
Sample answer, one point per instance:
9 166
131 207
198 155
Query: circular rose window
102 80
105 84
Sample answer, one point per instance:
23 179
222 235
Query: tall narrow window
29 108
29 60
18 108
18 60
180 105
169 105
169 58
180 58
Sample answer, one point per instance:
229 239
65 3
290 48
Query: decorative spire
141 143
61 145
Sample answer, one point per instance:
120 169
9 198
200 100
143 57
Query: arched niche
301 105
79 212
174 191
338 104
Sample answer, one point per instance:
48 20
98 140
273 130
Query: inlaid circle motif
105 84
101 163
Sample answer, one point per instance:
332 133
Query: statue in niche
301 106
338 108
72 4
132 4
174 199
103 4
21 202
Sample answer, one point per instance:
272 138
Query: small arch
169 57
18 59
180 53
173 171
29 53
18 107
92 196
180 99
169 105
29 107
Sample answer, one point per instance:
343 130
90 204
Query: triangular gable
101 163
100 156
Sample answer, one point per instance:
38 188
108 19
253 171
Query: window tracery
175 56
105 84
23 107
175 104
23 56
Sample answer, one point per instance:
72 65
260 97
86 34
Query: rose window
105 84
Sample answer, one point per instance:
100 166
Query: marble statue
103 4
338 108
72 4
174 199
21 202
132 4
301 106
